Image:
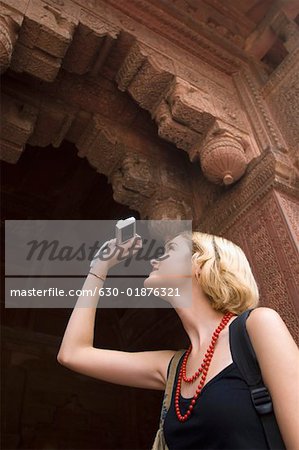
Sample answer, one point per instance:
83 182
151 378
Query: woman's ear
196 270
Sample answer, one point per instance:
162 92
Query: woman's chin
149 282
157 281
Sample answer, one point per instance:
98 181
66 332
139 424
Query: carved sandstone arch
139 180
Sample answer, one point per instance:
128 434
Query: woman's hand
115 253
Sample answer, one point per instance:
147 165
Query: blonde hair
226 276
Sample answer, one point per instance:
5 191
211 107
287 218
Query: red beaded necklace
203 368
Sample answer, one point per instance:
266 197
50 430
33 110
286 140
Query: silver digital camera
125 230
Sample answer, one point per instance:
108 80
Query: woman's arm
278 357
79 333
146 369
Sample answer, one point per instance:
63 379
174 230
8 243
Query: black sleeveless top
223 416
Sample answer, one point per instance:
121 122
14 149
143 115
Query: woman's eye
170 247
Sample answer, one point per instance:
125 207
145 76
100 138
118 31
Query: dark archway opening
55 184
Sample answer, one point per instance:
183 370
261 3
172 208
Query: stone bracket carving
146 75
91 44
17 124
188 118
43 40
54 35
173 131
184 114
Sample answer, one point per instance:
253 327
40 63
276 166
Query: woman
221 414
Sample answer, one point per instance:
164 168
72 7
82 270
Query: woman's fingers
132 246
115 252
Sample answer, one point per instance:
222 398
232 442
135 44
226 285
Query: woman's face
173 268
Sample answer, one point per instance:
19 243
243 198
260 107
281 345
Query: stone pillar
261 214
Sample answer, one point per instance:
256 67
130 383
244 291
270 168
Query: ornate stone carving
220 147
146 75
290 206
133 180
100 145
273 256
175 132
191 106
185 115
281 92
43 40
258 112
222 157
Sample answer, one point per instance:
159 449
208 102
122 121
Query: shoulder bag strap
244 356
169 384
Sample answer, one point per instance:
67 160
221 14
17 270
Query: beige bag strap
169 384
159 442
